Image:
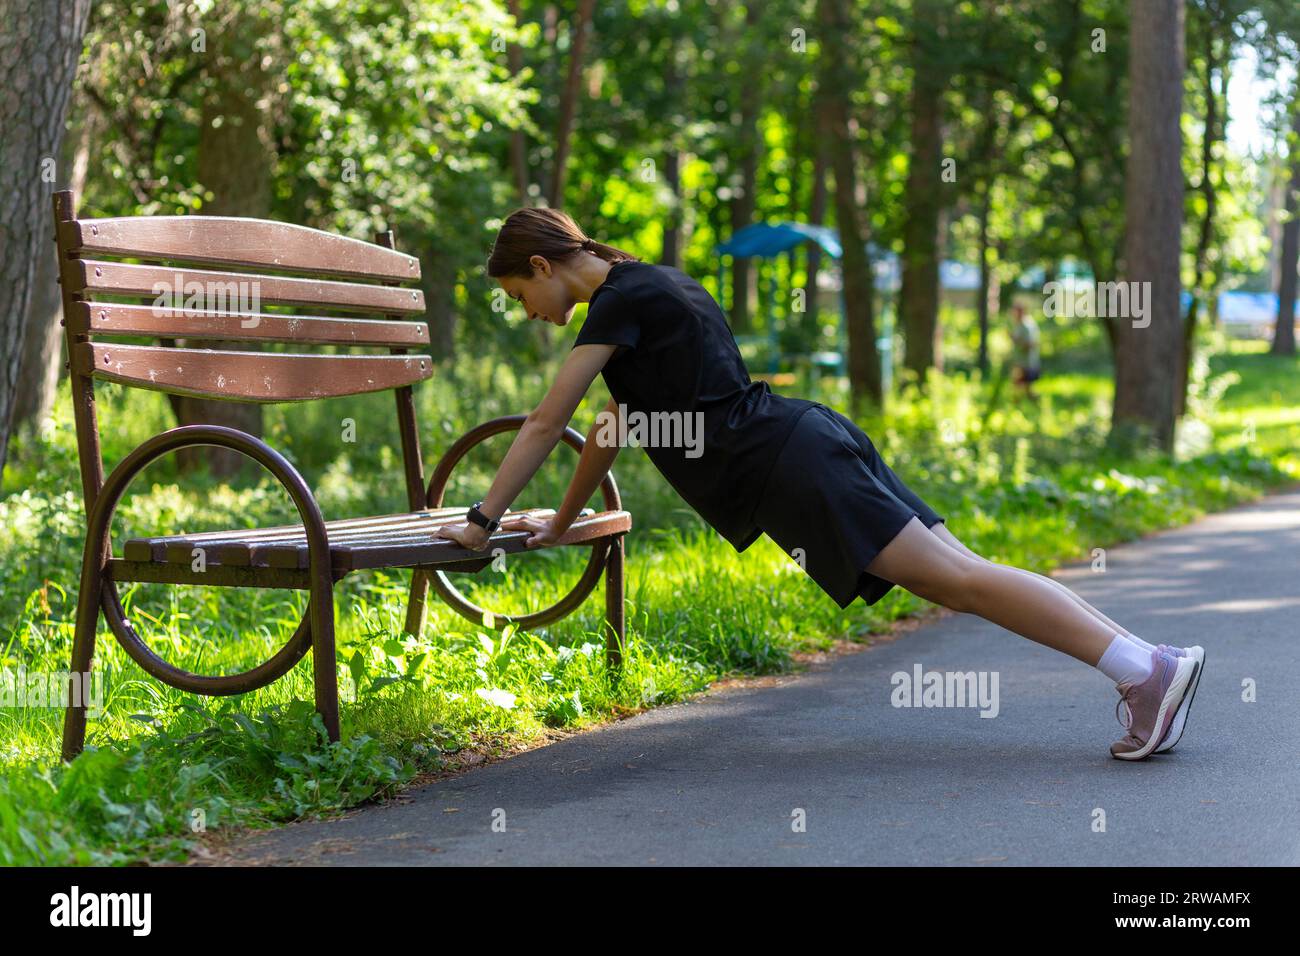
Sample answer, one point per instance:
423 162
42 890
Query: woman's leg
1031 607
950 539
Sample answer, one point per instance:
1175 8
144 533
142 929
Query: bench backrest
208 279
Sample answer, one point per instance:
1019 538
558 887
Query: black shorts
832 504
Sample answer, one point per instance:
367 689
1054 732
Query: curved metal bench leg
614 616
83 650
93 582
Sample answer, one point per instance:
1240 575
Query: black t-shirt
711 432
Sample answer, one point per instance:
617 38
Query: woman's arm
538 435
593 464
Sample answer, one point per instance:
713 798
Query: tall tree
834 87
1276 39
578 31
817 216
518 137
918 299
236 164
38 378
747 149
40 44
1216 22
1284 327
1060 62
674 219
1150 348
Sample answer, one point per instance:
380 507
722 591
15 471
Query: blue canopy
773 238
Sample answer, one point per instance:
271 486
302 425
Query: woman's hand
544 530
465 534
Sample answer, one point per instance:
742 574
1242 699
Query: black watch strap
483 521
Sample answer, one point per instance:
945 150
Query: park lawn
1023 485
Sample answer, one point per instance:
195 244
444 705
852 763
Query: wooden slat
100 277
116 318
358 545
150 549
237 242
293 553
255 551
179 547
251 547
275 552
248 376
118 569
412 552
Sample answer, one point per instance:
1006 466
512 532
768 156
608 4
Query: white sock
1141 643
1125 661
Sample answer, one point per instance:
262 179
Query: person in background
1025 339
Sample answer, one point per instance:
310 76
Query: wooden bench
106 265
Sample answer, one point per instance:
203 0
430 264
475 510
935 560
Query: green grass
1027 485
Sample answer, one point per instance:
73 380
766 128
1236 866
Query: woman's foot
1151 705
1196 653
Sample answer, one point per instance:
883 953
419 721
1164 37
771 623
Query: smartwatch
482 520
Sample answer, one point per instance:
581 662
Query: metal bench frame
336 273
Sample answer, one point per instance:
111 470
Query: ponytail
550 233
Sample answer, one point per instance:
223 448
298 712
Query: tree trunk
438 281
1284 328
1150 347
918 299
569 100
816 216
743 205
833 88
43 346
671 255
1213 131
675 84
40 45
518 139
43 353
236 156
988 291
988 146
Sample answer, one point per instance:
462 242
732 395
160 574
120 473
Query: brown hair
541 231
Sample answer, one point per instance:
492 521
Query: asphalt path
822 767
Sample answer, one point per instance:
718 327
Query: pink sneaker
1196 653
1151 705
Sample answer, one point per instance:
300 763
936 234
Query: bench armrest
479 433
116 483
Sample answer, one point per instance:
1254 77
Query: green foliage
1028 485
152 794
402 114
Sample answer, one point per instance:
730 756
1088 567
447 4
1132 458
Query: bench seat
404 540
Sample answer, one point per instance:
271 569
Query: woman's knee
953 583
963 585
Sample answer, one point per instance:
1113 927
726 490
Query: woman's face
545 296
